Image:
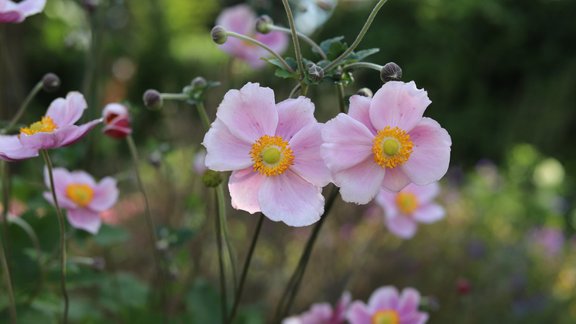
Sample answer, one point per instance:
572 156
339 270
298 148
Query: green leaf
109 236
333 47
285 74
362 54
203 302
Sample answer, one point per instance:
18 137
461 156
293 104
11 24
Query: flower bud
365 92
199 82
390 72
116 121
50 82
219 35
263 24
211 179
315 73
152 99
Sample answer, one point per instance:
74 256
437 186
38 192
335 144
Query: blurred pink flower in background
242 20
15 209
412 205
385 141
116 121
124 210
273 151
16 12
550 240
388 307
323 313
82 197
55 129
199 162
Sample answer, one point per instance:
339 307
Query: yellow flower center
406 202
45 125
271 155
80 193
386 317
392 147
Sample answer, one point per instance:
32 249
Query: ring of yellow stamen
271 155
386 317
392 147
45 125
80 193
406 202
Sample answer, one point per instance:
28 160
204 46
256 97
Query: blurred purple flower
198 163
550 240
16 12
323 313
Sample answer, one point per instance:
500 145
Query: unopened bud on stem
152 99
219 35
263 24
315 72
50 82
390 72
365 92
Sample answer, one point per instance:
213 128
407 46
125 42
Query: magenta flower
385 142
54 130
323 313
82 197
273 151
386 306
12 12
242 20
413 204
116 121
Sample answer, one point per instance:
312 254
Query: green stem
341 101
203 115
305 38
262 45
23 107
359 38
294 90
174 96
291 290
246 266
224 233
297 50
366 65
62 226
222 273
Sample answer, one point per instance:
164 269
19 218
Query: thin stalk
62 226
5 240
147 212
366 65
297 50
174 96
23 107
262 45
305 38
359 38
294 90
291 290
8 281
203 115
223 289
245 268
342 103
224 232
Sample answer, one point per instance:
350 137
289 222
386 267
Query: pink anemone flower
55 129
273 151
83 198
413 204
116 121
385 141
323 313
12 12
242 20
386 306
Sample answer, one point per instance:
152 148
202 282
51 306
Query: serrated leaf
360 55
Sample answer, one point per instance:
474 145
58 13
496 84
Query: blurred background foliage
500 73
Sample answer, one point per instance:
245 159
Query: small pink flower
413 204
54 130
386 306
12 12
199 162
116 121
242 20
323 313
273 151
385 141
82 197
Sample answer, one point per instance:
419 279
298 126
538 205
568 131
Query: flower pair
281 157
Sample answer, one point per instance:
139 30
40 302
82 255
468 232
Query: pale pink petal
31 7
339 315
398 104
239 18
409 301
249 113
11 149
383 298
291 199
225 152
358 313
72 134
431 154
62 178
244 186
63 201
360 110
360 183
65 112
401 226
83 178
59 138
40 141
293 115
85 219
387 200
277 41
347 142
307 160
105 195
395 179
429 213
415 318
11 16
424 193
